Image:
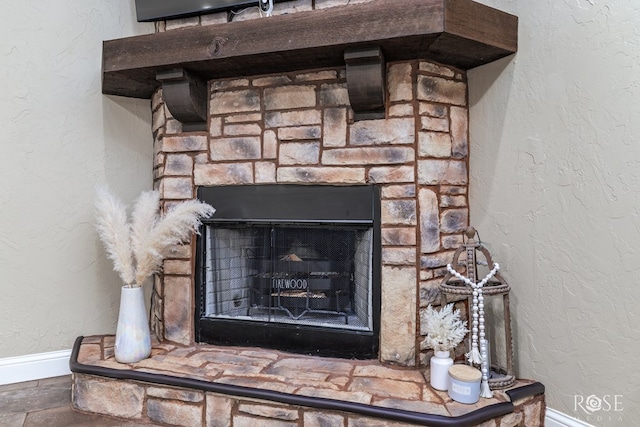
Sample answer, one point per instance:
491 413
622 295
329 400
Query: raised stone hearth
224 386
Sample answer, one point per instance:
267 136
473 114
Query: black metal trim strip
268 221
533 389
392 414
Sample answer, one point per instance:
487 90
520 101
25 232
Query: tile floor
47 403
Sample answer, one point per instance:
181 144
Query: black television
156 10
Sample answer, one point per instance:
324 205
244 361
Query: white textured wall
555 194
59 137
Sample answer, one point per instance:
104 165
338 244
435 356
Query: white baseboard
553 418
34 366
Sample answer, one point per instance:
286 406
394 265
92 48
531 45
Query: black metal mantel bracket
185 95
366 82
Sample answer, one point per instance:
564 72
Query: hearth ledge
525 393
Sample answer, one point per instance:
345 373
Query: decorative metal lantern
462 279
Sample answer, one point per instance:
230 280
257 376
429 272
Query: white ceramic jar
439 367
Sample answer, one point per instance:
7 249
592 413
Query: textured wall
60 137
555 180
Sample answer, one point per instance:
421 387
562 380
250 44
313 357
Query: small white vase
133 337
440 364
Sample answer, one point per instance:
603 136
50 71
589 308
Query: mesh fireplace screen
301 274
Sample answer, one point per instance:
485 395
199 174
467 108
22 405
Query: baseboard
34 367
553 418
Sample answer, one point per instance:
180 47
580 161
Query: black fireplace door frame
285 204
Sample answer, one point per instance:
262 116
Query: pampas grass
445 330
115 232
137 249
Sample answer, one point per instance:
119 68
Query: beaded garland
478 328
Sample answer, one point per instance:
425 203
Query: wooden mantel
461 33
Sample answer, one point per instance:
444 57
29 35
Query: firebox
291 267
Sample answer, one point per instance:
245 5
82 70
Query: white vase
440 364
133 337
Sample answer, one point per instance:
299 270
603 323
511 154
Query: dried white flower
138 249
445 329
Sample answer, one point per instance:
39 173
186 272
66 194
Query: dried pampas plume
115 233
138 248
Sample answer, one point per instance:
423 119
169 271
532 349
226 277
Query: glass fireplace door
294 274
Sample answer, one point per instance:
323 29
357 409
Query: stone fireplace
298 129
327 97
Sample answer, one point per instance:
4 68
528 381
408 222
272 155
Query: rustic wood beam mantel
461 33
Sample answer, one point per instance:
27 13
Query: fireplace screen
304 281
313 275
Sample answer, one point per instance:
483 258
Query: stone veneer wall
297 128
149 403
